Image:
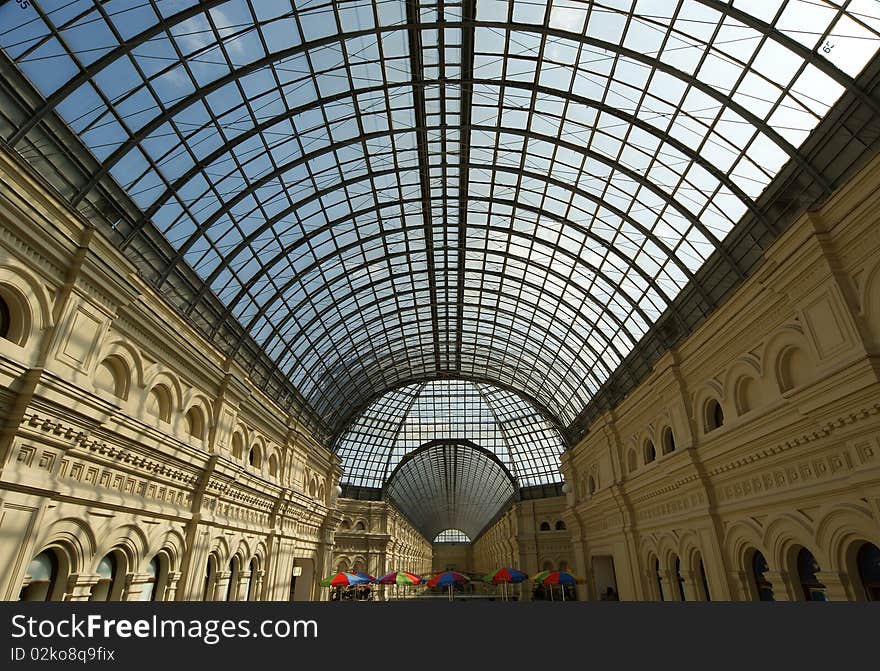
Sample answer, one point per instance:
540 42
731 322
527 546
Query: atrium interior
297 289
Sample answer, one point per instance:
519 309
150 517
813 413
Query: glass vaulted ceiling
381 192
451 485
403 420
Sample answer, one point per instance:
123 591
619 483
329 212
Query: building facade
747 466
136 462
374 537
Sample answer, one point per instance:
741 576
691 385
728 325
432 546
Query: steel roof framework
386 192
451 485
521 438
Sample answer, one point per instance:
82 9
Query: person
610 595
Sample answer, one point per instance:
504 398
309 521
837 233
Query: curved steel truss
449 484
402 420
384 192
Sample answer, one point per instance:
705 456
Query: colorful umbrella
400 578
343 579
447 579
506 574
559 578
503 576
556 578
365 576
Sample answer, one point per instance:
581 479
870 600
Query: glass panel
41 568
378 193
451 486
452 536
401 421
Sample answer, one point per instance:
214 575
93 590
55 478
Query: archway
763 587
868 564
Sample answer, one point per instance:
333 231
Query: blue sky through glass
380 195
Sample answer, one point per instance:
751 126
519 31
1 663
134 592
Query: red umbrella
506 575
400 578
561 578
343 579
448 579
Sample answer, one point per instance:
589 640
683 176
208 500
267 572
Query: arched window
650 452
560 525
545 526
591 485
679 579
159 403
668 441
107 588
234 578
807 567
714 415
704 582
195 423
273 465
15 318
254 457
632 462
868 561
41 577
111 376
748 394
794 368
659 579
150 590
5 319
252 582
210 577
360 526
762 586
237 445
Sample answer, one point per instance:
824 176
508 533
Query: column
649 585
137 587
257 592
171 584
221 586
783 588
691 591
838 586
741 582
670 588
582 570
79 586
244 579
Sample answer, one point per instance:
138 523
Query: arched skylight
451 484
366 194
452 536
403 420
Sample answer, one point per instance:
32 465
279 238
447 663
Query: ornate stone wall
127 436
374 537
759 433
531 536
